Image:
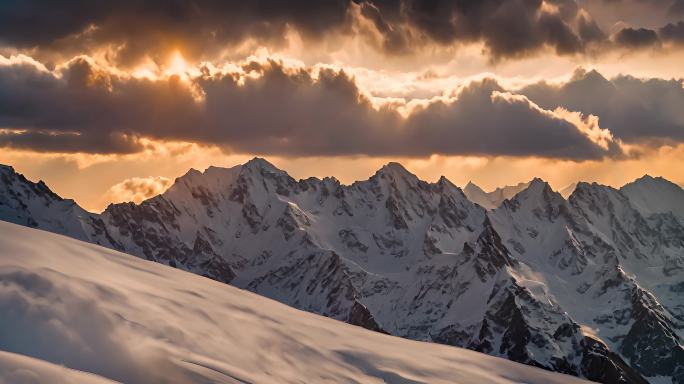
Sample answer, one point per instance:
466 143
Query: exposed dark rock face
652 345
603 366
361 316
492 255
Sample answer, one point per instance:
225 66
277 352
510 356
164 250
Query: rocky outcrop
361 316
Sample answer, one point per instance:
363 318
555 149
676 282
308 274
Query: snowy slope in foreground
20 369
91 309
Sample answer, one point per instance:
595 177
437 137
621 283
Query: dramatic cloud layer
132 30
267 108
635 110
508 28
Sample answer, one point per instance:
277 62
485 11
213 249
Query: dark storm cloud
70 142
634 110
673 33
631 38
636 38
485 121
282 112
156 26
508 28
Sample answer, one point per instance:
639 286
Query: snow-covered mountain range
73 312
591 285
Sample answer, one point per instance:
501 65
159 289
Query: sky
111 101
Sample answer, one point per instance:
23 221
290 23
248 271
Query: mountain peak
472 187
478 196
260 163
445 183
655 195
443 180
6 169
393 166
583 187
394 170
648 179
537 186
538 190
190 175
648 183
538 181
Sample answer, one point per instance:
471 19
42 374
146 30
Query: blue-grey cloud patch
635 110
673 33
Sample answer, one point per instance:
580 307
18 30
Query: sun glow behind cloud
177 66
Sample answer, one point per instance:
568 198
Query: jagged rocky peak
256 166
598 194
537 194
189 183
538 184
584 187
10 176
395 182
18 186
591 199
262 168
539 188
6 169
445 184
35 205
232 183
222 172
648 179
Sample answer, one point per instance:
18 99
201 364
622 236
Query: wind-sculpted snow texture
73 312
590 286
